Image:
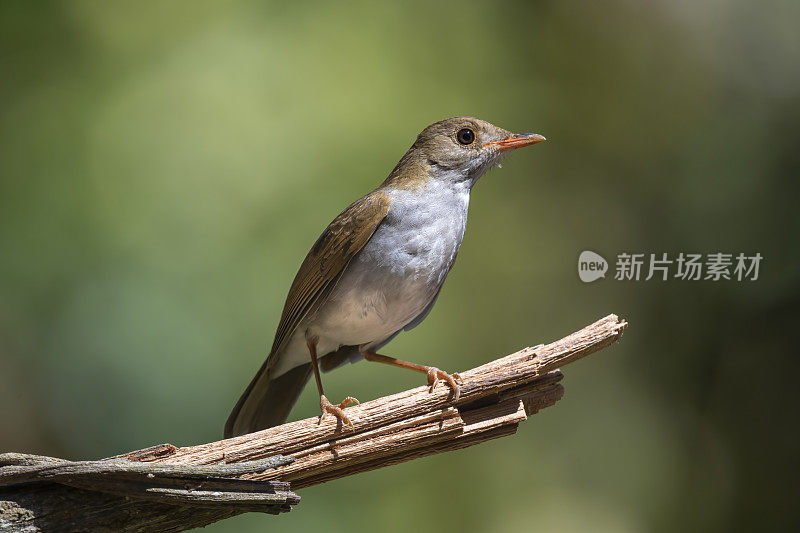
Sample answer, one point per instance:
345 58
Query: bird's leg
434 374
324 404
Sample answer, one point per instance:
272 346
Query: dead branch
166 488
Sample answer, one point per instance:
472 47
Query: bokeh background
165 166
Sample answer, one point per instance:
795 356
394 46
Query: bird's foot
452 380
336 410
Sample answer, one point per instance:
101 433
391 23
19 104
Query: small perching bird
375 271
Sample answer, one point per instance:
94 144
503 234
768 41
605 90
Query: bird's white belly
392 279
399 271
372 302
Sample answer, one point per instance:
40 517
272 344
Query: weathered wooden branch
206 485
167 488
47 494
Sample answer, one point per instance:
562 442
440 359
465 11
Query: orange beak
516 140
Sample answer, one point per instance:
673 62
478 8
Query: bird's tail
267 402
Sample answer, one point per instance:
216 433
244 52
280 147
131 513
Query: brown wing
341 240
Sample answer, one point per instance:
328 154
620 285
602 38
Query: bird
376 270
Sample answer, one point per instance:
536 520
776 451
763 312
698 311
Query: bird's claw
453 380
348 401
336 410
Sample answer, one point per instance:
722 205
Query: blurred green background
165 167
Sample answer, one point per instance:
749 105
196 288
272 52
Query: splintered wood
495 398
168 488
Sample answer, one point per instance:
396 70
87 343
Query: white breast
399 271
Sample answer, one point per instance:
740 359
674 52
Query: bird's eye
465 136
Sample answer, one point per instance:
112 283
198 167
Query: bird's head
459 149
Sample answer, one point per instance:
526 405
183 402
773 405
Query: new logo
591 266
